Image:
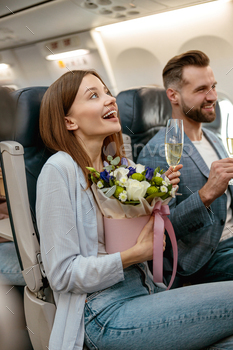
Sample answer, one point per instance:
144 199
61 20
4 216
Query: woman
110 300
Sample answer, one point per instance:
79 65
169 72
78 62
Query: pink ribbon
161 221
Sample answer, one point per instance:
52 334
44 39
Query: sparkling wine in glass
174 139
229 135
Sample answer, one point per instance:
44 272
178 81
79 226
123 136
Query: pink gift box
122 234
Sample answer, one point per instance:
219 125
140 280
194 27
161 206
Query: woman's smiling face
93 113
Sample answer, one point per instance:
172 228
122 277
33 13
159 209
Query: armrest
26 243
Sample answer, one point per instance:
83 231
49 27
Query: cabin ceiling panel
180 3
9 6
53 19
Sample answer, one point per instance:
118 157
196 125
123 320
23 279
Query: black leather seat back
145 110
216 125
26 132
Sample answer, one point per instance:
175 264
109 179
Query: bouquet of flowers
126 191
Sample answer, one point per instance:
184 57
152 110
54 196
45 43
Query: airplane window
225 107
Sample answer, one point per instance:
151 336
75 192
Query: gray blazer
67 223
198 229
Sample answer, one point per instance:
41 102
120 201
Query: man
202 215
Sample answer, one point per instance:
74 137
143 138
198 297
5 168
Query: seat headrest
145 110
28 102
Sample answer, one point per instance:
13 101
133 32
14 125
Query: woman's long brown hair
55 105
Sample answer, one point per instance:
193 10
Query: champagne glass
174 139
229 136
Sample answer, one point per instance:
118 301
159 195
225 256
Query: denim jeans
10 272
136 315
219 267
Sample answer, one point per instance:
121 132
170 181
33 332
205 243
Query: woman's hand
143 249
145 240
174 175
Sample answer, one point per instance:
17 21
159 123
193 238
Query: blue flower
149 173
104 175
124 161
131 171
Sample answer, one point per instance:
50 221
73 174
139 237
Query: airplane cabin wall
139 52
28 66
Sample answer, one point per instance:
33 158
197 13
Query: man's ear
71 123
173 96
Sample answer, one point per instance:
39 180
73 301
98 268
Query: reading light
4 66
67 54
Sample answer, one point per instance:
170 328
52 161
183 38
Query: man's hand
174 174
221 172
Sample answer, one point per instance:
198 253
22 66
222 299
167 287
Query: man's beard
197 114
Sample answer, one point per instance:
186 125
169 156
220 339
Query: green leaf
110 191
109 168
165 196
109 158
105 189
116 161
111 182
94 179
131 202
153 195
96 174
90 169
159 194
157 170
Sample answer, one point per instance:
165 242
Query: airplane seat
216 125
144 110
22 157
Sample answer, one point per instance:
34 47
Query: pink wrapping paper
123 224
122 234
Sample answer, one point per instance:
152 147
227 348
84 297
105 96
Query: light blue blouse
66 218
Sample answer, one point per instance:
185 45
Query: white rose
136 189
140 168
119 173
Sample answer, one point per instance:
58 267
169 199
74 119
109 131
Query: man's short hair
173 71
